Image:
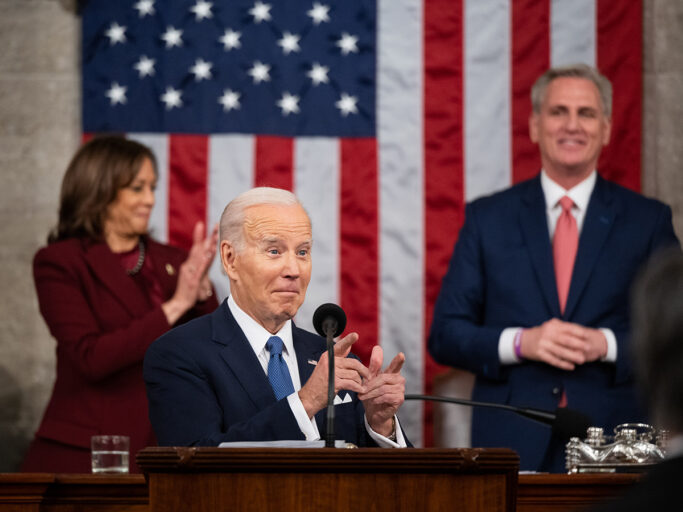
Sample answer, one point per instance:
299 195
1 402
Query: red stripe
274 162
358 241
443 152
530 37
619 52
187 186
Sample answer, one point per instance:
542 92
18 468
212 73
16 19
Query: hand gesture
348 374
383 391
193 279
563 344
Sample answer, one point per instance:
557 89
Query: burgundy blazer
103 321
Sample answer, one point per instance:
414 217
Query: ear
608 131
228 259
533 127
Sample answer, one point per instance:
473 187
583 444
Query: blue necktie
278 373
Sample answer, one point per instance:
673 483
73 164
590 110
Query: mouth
571 143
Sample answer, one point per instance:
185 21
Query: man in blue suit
535 300
246 372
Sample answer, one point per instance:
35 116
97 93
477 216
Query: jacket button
556 391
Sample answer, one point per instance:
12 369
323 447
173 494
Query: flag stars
260 72
230 100
172 98
116 94
230 39
202 10
289 104
201 70
144 7
172 37
348 44
116 33
318 74
260 12
145 66
319 13
289 43
347 104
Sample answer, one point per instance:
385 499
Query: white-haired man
246 372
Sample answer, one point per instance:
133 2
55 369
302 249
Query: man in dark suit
658 356
535 300
246 372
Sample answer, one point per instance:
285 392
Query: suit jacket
205 386
103 322
659 490
501 275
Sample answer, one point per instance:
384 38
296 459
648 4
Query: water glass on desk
109 453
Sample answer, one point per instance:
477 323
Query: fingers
376 359
343 346
396 363
198 233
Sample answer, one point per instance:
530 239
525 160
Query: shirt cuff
611 355
306 425
506 348
385 442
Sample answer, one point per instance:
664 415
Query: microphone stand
329 327
535 414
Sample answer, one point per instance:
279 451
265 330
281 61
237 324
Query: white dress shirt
258 336
580 195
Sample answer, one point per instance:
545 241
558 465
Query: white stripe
487 97
573 32
316 184
231 172
401 196
158 221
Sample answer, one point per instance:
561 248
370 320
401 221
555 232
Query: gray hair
574 71
232 219
657 302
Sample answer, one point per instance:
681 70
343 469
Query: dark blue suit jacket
501 275
205 386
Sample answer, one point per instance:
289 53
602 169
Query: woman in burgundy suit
106 291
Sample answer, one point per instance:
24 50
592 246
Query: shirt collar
256 334
580 193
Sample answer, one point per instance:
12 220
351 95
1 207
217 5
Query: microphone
329 317
329 321
564 422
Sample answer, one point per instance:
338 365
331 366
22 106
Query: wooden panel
565 493
29 492
207 479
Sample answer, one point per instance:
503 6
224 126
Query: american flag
383 116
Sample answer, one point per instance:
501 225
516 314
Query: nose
149 197
291 267
572 121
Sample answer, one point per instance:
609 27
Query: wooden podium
279 479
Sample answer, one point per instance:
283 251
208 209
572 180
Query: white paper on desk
281 444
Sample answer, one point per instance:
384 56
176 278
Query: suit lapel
534 225
305 352
308 351
597 224
240 357
165 268
106 266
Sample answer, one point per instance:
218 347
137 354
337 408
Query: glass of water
109 454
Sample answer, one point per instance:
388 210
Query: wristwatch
392 436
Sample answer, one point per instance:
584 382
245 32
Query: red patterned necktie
565 245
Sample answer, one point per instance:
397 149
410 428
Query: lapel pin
169 269
314 363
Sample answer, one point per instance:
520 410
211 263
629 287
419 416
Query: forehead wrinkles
265 223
